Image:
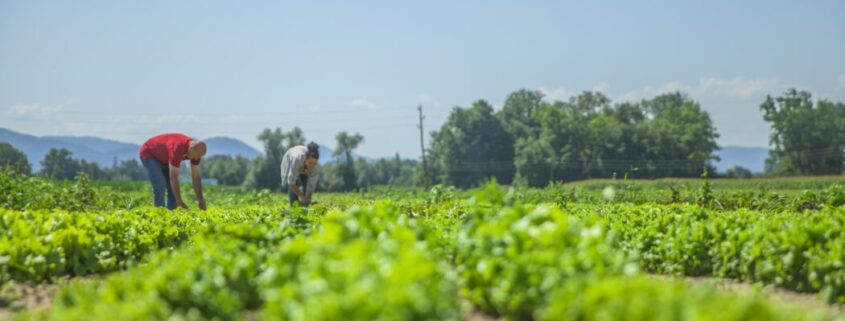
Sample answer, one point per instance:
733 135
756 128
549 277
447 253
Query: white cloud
32 112
428 100
79 128
733 104
651 91
563 94
737 89
559 94
234 119
165 120
602 87
362 103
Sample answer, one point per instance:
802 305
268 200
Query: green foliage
58 164
510 260
645 299
439 194
808 139
227 170
346 164
128 170
214 278
705 195
35 193
799 252
738 172
393 172
584 137
559 253
265 171
367 264
12 158
472 146
41 245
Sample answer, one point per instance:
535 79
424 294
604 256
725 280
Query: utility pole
426 181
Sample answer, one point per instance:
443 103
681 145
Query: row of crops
786 194
500 252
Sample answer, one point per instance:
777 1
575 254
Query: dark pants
302 182
159 175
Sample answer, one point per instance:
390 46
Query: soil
16 297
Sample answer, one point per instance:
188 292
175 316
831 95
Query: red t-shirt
168 148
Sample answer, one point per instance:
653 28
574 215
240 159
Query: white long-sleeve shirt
293 165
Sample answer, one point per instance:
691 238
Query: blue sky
129 70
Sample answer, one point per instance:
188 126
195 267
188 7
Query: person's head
312 155
196 149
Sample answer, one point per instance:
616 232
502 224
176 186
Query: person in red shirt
161 156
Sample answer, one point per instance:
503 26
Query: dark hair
313 150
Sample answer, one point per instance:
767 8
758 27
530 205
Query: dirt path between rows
777 296
809 301
18 297
471 313
29 296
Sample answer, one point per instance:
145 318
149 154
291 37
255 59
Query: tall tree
227 170
11 157
92 170
471 146
346 143
129 170
517 113
571 137
808 138
58 164
265 171
294 137
681 137
588 137
519 119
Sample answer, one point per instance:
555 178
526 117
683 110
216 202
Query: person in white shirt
300 170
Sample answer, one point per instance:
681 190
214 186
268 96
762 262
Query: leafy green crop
562 253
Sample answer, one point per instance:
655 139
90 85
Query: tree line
532 142
263 172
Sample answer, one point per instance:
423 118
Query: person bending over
161 155
300 170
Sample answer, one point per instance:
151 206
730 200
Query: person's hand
201 204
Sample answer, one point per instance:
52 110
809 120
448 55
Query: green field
593 250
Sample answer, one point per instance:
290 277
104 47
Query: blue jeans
159 175
302 182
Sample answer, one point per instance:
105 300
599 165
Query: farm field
694 249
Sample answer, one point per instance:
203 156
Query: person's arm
298 192
312 184
293 165
196 179
174 186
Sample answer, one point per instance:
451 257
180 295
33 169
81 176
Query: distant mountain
230 146
752 158
36 147
94 143
103 151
